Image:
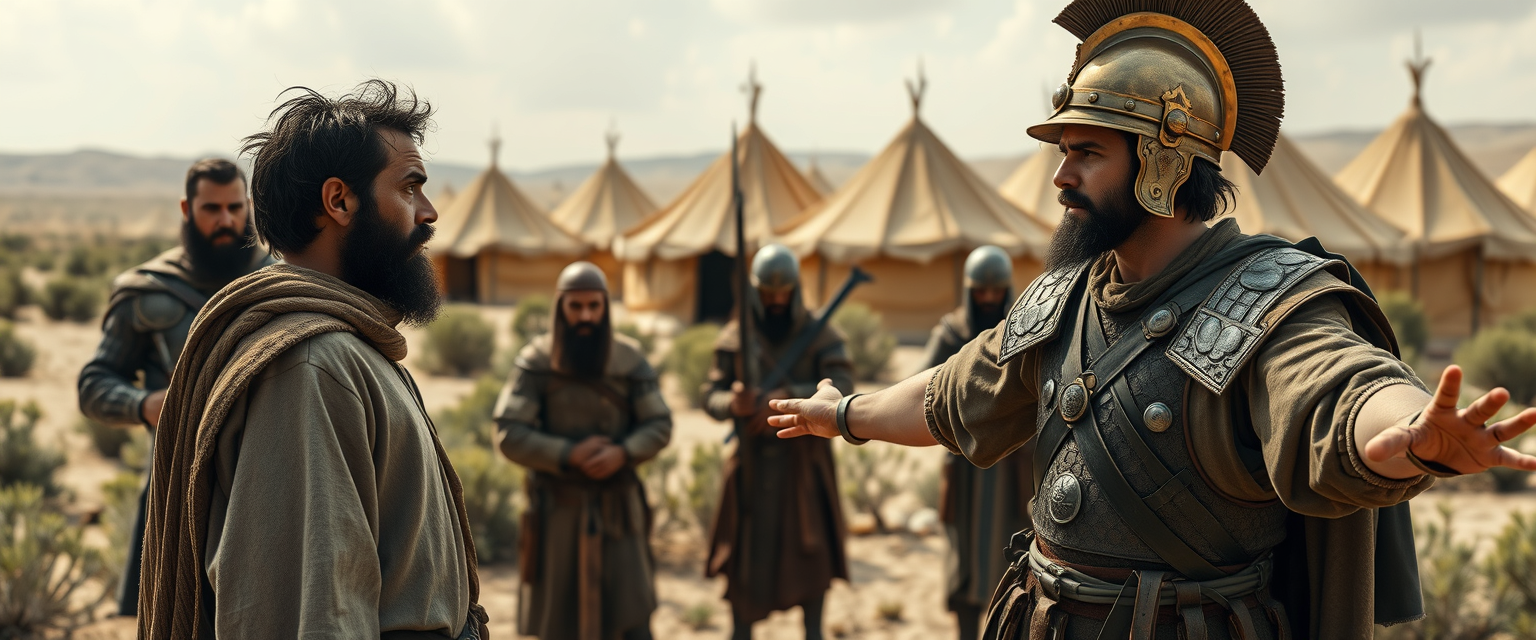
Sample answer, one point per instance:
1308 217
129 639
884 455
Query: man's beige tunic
331 516
1302 392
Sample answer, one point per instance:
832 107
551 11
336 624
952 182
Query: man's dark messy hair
1205 195
313 138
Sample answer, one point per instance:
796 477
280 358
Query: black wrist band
842 420
1431 467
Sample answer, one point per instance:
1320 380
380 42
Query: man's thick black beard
1106 226
584 355
220 264
987 316
390 266
776 324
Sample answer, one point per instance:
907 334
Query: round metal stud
1048 392
1074 401
1130 105
1093 97
1158 417
1066 498
1060 97
1089 380
1178 122
1161 322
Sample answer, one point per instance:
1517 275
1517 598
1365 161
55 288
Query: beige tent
608 204
678 261
1519 183
819 180
1473 246
909 217
495 246
1295 200
1032 186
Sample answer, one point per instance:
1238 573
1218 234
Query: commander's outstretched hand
813 416
1459 439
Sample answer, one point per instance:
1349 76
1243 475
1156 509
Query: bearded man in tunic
778 536
150 312
581 409
980 507
299 487
1224 436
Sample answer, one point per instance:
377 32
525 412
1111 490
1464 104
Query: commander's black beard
776 324
1107 225
390 266
220 264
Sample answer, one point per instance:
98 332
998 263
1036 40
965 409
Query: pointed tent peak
495 143
612 139
754 91
917 88
1418 66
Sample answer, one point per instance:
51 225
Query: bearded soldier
778 537
151 310
1224 436
581 409
980 507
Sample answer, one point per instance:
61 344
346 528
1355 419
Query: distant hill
112 192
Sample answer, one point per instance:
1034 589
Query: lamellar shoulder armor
1036 315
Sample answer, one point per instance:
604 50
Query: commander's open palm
813 416
1459 439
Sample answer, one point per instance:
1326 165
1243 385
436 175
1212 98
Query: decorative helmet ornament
988 267
1190 79
775 268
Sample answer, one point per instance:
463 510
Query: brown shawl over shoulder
240 331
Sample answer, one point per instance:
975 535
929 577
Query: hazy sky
184 76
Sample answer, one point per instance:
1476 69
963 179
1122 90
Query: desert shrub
13 292
656 473
930 484
87 260
530 319
490 492
889 610
1408 322
469 422
1510 569
690 358
871 476
699 617
22 459
107 439
1453 589
646 340
869 344
1501 357
460 342
49 571
120 505
16 353
706 468
136 453
72 298
1523 321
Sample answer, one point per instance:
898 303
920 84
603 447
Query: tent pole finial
915 90
495 144
612 138
754 91
1417 67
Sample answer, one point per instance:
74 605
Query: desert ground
888 570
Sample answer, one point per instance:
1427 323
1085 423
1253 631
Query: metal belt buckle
1074 398
1048 584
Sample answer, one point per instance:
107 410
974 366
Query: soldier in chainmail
980 507
150 312
581 409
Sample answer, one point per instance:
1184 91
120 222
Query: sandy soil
887 569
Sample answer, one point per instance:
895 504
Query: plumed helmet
775 268
988 267
581 276
1190 79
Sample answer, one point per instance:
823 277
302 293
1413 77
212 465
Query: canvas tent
494 246
605 206
819 180
1519 183
1473 247
678 261
1032 186
909 217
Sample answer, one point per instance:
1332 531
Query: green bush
1523 321
16 354
656 474
869 344
1510 569
490 490
1408 322
108 439
72 298
469 422
690 359
530 320
646 340
13 293
930 487
137 452
1453 587
86 261
706 468
49 572
22 459
460 342
871 476
120 505
1501 357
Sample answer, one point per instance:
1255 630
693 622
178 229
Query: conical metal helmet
1191 80
988 267
775 268
581 276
